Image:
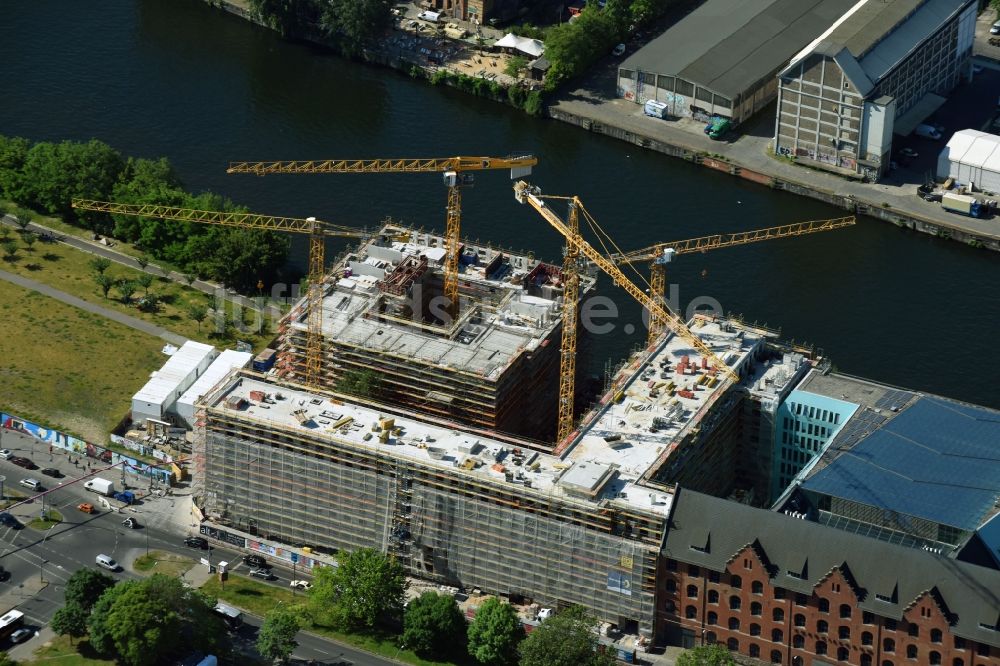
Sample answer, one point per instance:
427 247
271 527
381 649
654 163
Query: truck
655 109
101 487
962 204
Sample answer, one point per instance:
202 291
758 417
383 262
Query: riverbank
594 108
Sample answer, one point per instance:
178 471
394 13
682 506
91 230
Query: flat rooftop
163 383
914 454
382 298
657 398
454 452
729 45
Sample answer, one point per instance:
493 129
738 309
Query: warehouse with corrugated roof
723 58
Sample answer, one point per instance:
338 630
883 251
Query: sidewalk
69 299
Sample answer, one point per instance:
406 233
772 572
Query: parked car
6 454
21 635
86 507
130 523
53 472
23 462
7 520
300 584
618 50
196 542
909 152
4 574
256 561
995 28
262 573
33 484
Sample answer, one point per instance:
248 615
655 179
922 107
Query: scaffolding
295 485
494 365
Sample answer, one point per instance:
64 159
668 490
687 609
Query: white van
107 562
928 132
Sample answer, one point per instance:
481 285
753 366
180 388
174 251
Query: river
180 79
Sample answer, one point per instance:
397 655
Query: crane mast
315 229
523 194
455 178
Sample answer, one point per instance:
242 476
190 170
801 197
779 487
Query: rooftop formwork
495 365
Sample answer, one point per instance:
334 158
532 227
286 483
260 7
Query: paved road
30 556
121 318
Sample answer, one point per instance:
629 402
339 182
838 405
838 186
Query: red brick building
788 591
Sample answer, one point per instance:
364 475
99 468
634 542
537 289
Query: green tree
238 258
10 248
143 261
364 587
433 625
125 289
198 314
289 17
145 281
55 173
276 638
104 283
86 586
22 218
362 383
13 153
354 22
29 238
190 278
70 620
572 48
566 639
100 264
707 655
152 621
495 633
515 65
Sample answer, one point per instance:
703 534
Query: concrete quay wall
849 202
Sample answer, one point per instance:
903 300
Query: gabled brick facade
740 608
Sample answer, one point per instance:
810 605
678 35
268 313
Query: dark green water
177 78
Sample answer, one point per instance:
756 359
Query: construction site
384 312
581 527
464 456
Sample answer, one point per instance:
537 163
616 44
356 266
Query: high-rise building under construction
487 366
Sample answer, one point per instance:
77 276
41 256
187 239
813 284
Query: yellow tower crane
316 230
659 255
456 176
524 193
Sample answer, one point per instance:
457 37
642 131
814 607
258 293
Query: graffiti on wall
60 440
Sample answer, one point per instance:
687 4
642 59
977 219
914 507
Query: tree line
348 24
46 176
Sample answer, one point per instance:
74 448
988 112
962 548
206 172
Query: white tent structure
531 47
167 384
222 366
972 157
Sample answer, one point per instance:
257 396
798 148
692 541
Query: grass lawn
52 518
68 269
164 563
59 651
259 598
67 368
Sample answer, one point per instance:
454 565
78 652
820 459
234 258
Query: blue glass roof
937 460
